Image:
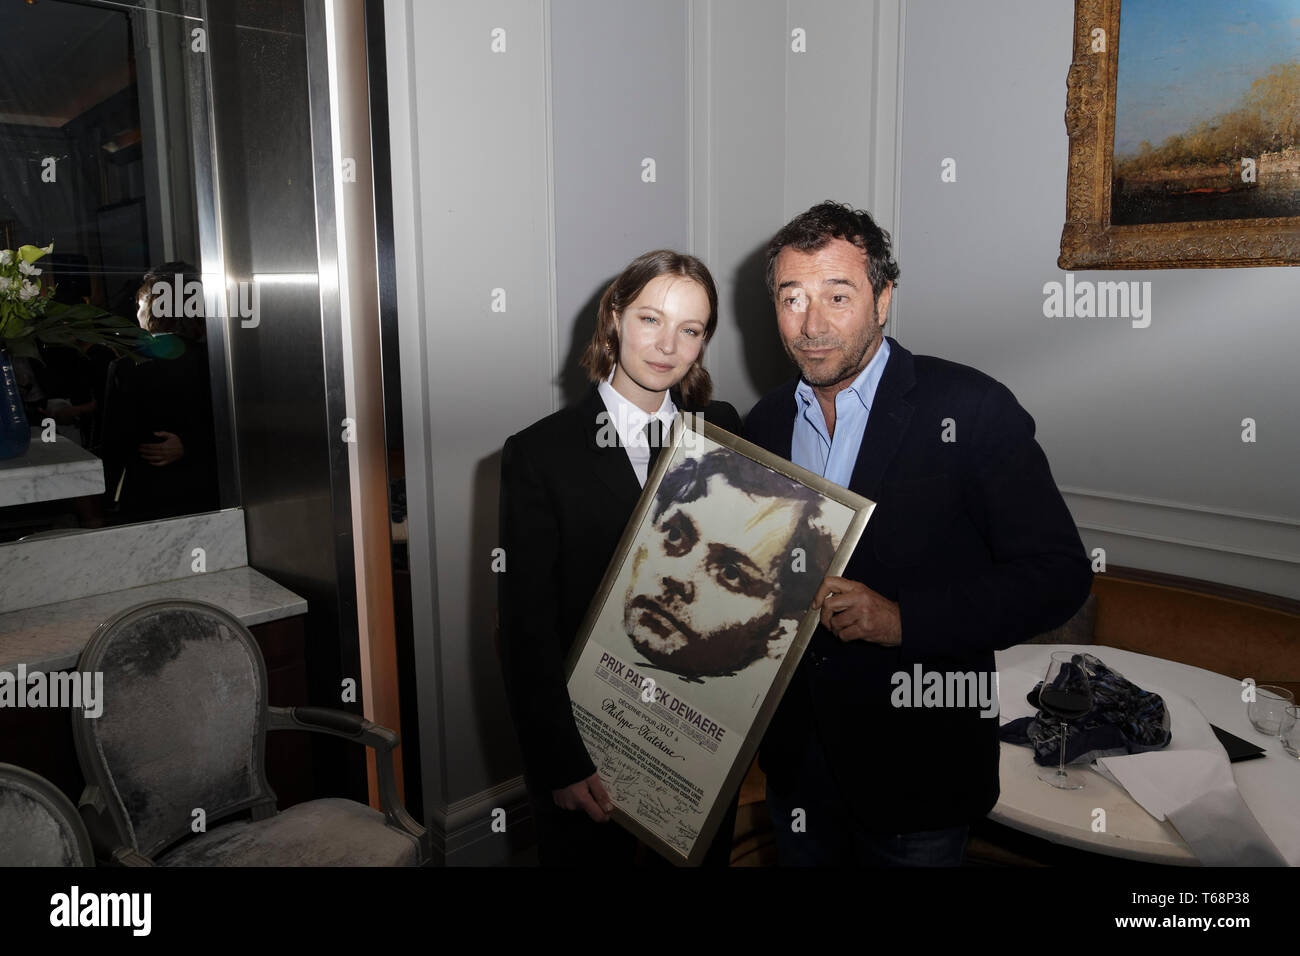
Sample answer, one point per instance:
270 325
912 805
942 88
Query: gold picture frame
1089 239
698 625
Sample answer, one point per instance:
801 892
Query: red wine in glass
1064 704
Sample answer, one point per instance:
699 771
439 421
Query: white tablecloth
1269 787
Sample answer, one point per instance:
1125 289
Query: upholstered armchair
39 826
174 764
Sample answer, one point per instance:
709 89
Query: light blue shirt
812 446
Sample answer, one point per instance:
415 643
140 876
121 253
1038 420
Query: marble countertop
51 637
50 471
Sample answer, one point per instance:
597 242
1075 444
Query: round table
1270 786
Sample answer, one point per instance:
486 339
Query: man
707 596
970 549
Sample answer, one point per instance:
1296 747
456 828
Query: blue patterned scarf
1125 719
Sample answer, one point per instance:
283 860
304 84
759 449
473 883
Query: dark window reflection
96 157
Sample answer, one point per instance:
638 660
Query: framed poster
699 623
1184 130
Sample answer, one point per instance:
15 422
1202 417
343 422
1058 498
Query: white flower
30 290
27 269
5 283
6 256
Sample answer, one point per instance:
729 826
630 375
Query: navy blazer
972 539
565 501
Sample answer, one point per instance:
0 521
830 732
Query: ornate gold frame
1088 240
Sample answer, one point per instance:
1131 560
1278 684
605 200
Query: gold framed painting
1184 126
698 625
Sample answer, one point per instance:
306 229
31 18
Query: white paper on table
1013 684
1191 785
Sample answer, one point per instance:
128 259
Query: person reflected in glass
159 445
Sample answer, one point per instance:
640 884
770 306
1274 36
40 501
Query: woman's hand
586 795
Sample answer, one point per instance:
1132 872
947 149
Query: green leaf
30 254
79 326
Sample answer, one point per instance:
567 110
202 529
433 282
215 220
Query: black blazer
972 538
565 502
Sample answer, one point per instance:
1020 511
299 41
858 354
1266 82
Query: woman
567 493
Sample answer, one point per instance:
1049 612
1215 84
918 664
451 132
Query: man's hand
163 452
586 795
854 612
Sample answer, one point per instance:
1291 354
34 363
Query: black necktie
654 438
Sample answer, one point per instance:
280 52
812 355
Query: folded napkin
1124 719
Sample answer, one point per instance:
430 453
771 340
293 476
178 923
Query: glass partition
106 155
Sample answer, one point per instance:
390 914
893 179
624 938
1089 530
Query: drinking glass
1267 712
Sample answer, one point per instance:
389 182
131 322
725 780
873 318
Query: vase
15 433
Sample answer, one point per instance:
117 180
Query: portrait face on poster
699 623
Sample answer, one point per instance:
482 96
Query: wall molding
1244 549
894 11
1187 543
1177 505
552 287
462 831
698 113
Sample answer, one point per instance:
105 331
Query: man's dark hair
814 229
795 589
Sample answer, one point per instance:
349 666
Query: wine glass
1066 693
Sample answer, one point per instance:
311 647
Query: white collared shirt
630 422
